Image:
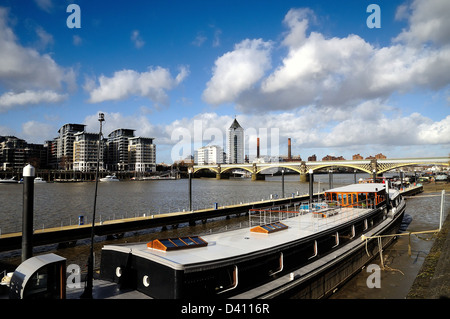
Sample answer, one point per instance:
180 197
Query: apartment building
212 154
15 153
117 149
85 149
141 154
64 146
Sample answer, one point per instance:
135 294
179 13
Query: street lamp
311 181
330 178
282 183
190 170
87 294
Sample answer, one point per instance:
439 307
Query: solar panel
269 228
177 243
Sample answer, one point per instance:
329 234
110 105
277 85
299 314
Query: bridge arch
385 168
357 167
296 168
214 169
226 169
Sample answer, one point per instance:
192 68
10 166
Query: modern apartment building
64 147
85 149
212 154
117 149
15 153
235 143
141 154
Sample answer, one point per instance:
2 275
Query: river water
60 204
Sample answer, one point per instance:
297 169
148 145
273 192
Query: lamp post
401 179
87 294
190 188
282 183
311 181
330 178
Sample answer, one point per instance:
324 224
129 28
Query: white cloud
45 5
337 71
137 39
45 38
27 76
237 71
152 84
199 40
114 120
77 40
37 132
9 100
428 22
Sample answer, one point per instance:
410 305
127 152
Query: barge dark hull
318 263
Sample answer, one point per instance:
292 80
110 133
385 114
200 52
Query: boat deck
242 242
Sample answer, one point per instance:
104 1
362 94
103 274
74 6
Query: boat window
269 228
177 243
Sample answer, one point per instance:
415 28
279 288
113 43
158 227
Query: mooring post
441 218
311 181
27 212
190 169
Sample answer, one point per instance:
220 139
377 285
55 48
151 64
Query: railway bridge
370 166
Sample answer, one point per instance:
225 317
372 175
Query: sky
317 72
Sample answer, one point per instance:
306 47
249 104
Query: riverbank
433 279
436 187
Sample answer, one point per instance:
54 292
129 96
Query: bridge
370 166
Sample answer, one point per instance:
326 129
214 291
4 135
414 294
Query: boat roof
359 188
234 244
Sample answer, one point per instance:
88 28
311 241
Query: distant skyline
312 71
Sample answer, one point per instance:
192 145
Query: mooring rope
380 245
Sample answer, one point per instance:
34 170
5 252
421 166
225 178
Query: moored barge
306 252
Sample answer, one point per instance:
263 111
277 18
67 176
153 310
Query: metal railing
320 212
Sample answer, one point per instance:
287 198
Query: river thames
60 204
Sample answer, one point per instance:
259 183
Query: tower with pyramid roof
235 143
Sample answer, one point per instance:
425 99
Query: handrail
281 265
235 281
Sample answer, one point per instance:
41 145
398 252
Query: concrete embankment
433 279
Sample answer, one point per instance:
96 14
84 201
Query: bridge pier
222 176
258 177
304 178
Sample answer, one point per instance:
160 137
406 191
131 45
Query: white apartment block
212 154
85 148
141 154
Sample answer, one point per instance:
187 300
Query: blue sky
312 71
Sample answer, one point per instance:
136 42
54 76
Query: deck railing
320 212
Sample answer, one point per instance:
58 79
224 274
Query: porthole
146 281
118 272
